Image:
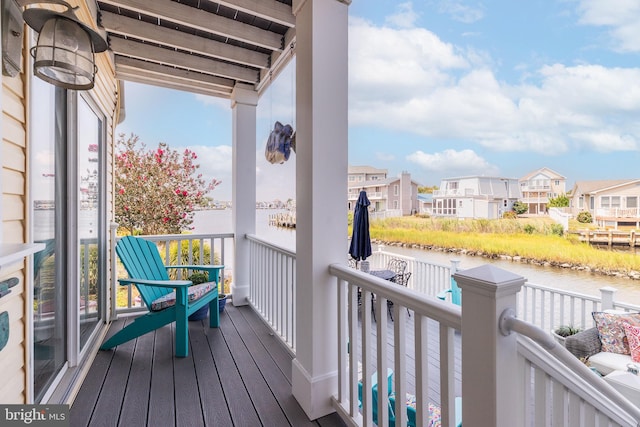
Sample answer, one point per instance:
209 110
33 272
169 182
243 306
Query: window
352 178
605 202
452 185
49 108
632 202
396 189
556 182
615 202
90 154
395 204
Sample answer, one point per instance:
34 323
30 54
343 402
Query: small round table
384 274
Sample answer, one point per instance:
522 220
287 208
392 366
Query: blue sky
445 88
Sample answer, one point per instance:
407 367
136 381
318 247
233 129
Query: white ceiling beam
270 10
205 21
130 27
132 65
177 85
182 60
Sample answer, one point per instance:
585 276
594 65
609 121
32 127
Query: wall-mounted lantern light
64 54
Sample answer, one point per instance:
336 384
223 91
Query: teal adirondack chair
168 300
454 290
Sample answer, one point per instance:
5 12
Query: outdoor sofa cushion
633 336
611 329
586 344
194 293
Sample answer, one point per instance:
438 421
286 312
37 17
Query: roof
199 46
425 197
366 169
591 187
545 171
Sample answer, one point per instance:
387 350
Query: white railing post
606 297
492 392
455 265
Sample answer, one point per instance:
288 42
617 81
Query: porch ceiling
199 46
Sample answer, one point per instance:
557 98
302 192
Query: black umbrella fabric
360 247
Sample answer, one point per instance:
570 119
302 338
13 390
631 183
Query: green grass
527 238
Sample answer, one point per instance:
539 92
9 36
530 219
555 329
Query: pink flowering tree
157 190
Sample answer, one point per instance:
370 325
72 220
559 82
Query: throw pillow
435 419
633 336
611 330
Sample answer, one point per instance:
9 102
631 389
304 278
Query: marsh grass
531 238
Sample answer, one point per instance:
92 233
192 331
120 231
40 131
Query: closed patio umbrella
360 247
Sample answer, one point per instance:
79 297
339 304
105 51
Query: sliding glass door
67 188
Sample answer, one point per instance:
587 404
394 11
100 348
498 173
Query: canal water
220 221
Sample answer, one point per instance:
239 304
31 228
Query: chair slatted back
142 260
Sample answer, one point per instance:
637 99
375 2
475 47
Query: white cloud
411 81
621 17
460 11
405 17
215 163
453 162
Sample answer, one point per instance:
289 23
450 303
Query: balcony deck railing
272 287
545 385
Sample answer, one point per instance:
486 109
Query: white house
475 197
539 186
610 202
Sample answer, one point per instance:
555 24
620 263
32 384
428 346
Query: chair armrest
160 283
206 267
443 295
584 344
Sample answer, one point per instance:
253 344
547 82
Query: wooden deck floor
235 375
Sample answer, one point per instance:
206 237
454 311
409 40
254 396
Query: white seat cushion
606 362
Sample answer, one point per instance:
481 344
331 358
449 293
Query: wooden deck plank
242 411
116 383
272 344
161 393
260 394
136 397
212 398
275 378
187 397
82 409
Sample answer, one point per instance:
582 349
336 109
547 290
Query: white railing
426 277
389 213
195 249
618 212
561 217
552 388
363 351
272 287
548 308
560 390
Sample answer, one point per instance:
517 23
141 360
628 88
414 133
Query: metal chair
402 280
397 265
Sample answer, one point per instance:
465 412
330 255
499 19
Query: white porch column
244 100
321 195
492 389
